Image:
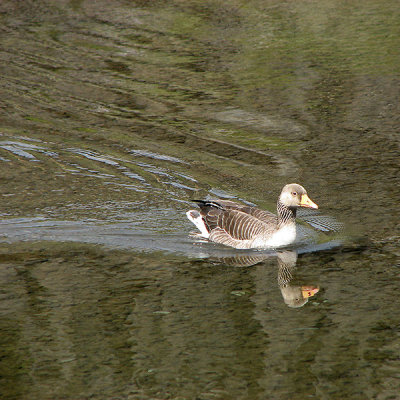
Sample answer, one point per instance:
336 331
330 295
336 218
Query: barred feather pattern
284 275
242 261
286 266
237 229
285 214
237 225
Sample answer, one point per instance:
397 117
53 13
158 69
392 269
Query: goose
245 227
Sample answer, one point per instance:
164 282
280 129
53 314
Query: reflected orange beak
309 291
307 202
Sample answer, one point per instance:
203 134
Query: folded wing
234 224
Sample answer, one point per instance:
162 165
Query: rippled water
114 116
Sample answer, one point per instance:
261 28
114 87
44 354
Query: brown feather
227 220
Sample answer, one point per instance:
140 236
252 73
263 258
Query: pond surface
114 116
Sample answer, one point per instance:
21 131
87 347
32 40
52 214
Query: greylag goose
245 227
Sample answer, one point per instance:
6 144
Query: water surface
114 116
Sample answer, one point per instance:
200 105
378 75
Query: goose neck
286 215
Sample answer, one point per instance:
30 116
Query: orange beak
307 202
309 291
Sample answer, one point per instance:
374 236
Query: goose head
294 195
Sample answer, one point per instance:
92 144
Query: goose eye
294 193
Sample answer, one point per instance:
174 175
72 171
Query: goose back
234 224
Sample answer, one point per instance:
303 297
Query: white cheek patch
195 217
286 198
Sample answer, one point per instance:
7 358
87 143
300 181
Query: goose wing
236 224
265 216
214 205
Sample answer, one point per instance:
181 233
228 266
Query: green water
114 115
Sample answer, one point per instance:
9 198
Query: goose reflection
294 296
